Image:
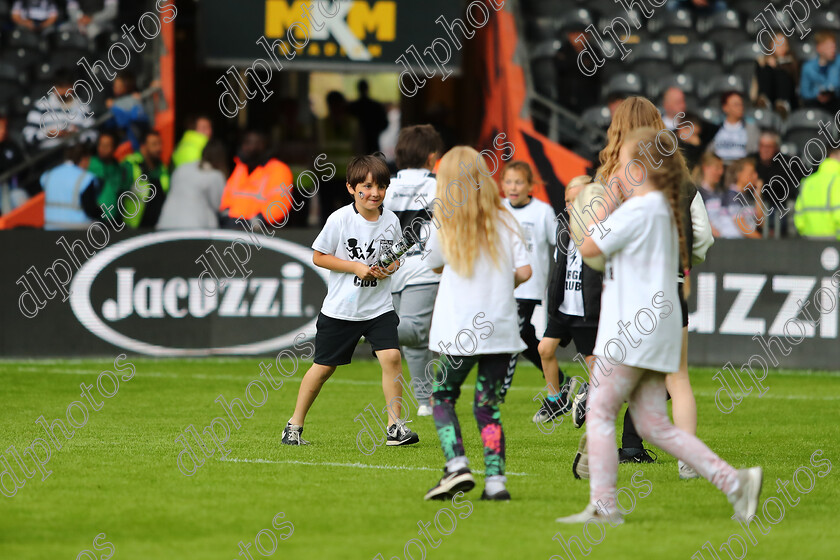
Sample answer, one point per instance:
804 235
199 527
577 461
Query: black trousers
525 309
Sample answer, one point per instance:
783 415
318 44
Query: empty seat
803 124
23 38
9 73
575 20
698 59
627 83
712 115
598 115
789 149
21 105
676 28
64 60
765 119
71 42
750 9
741 59
22 59
824 20
544 69
544 8
711 90
803 51
541 29
5 9
724 28
650 56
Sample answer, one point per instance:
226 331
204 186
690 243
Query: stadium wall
156 294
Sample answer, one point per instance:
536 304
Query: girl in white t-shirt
480 253
644 240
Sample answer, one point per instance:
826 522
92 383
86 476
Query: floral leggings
645 390
447 388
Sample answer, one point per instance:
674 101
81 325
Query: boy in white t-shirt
358 301
481 256
644 244
536 218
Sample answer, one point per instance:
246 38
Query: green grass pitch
119 476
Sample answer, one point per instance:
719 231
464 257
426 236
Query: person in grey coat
195 192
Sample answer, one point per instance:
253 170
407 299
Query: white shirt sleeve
550 228
622 227
433 255
702 230
519 251
327 241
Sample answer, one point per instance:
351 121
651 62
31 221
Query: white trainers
424 410
745 499
686 472
590 512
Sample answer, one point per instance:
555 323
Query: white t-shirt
731 141
537 221
349 236
573 290
464 306
639 286
410 192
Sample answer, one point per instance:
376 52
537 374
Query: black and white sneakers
453 482
579 406
551 409
398 434
292 435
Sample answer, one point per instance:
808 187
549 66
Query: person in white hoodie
195 191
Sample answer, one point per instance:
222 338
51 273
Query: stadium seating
598 115
713 87
677 27
724 28
575 20
765 119
698 59
625 83
741 60
803 124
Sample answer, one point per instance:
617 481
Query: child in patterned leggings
481 255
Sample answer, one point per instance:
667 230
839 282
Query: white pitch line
769 395
350 465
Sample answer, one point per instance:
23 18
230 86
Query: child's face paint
368 194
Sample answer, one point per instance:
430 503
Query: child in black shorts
358 301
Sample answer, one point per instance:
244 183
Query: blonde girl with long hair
644 245
635 112
478 249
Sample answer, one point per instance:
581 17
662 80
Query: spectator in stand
744 211
127 108
339 138
51 120
189 149
259 187
775 79
70 192
196 192
151 190
106 167
11 156
690 140
820 83
577 92
37 16
673 102
371 116
707 176
769 163
817 213
91 17
735 138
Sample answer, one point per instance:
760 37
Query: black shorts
570 328
336 339
683 304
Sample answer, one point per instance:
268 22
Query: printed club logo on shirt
355 251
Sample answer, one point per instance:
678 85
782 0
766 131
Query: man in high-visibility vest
192 143
70 192
817 210
146 162
258 186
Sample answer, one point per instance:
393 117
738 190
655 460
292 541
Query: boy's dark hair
415 143
128 78
145 136
77 152
824 35
358 169
727 94
522 167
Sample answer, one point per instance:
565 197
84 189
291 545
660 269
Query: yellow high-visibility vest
817 210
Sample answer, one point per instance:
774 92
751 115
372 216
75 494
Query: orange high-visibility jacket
266 190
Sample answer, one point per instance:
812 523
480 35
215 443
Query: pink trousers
645 391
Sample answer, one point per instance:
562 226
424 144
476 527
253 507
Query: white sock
457 463
494 484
